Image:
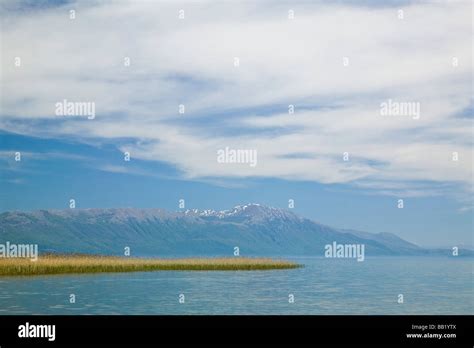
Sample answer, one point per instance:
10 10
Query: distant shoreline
85 264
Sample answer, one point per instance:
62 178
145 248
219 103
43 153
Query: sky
300 84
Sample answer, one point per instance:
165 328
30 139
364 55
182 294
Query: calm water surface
433 285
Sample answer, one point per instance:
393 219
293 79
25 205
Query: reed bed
64 264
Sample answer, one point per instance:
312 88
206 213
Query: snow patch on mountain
250 210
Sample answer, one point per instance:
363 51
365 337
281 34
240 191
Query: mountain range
255 229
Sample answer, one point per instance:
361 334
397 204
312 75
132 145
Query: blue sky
334 71
49 179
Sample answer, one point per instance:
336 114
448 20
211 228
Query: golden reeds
63 264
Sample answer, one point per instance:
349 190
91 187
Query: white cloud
282 62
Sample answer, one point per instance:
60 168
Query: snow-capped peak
250 210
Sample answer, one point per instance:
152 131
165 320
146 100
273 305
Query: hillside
254 228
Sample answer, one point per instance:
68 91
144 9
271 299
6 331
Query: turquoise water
430 285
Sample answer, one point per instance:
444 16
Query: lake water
430 285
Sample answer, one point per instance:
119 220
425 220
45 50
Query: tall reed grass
63 264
